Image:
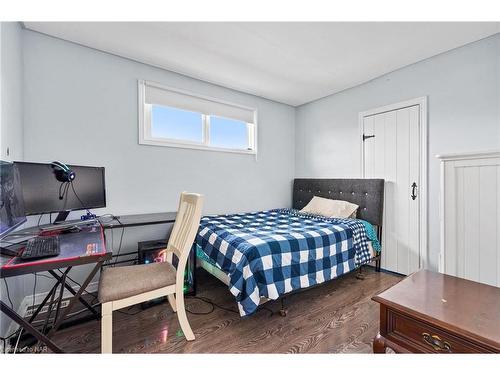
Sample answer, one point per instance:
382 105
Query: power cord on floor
214 305
128 313
210 302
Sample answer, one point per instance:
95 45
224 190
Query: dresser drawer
419 336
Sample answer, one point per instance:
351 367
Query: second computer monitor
11 198
43 193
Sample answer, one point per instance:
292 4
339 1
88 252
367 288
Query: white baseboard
28 302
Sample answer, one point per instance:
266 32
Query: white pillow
330 208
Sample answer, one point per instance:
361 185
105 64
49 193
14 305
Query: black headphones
63 172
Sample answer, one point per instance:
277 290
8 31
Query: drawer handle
436 343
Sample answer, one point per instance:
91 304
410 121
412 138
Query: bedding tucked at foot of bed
270 253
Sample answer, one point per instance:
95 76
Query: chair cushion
121 282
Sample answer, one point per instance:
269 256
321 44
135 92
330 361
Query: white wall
463 92
498 87
11 123
81 107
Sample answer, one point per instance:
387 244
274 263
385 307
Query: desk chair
120 287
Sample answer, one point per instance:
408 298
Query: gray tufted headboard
368 194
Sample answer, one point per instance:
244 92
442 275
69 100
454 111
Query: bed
265 255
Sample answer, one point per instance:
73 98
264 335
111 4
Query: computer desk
86 246
135 220
108 223
68 259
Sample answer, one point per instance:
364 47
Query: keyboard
41 247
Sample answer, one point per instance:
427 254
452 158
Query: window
178 124
174 118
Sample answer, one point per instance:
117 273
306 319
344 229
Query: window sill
153 142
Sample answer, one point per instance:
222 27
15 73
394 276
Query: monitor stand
61 216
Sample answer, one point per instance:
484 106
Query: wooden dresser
429 312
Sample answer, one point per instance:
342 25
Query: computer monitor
44 193
11 198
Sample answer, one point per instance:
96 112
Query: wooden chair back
184 231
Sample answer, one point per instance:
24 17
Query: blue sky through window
173 123
182 125
227 133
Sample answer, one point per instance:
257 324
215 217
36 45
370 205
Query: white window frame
145 137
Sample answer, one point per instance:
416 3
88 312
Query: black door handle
414 191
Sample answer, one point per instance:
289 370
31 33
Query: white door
391 149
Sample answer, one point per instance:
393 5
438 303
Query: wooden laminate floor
335 317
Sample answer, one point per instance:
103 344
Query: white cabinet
470 216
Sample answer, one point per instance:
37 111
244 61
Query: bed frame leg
283 310
360 275
377 264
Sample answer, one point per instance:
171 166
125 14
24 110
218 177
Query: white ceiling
292 63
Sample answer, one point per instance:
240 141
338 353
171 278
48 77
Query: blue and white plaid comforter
270 253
